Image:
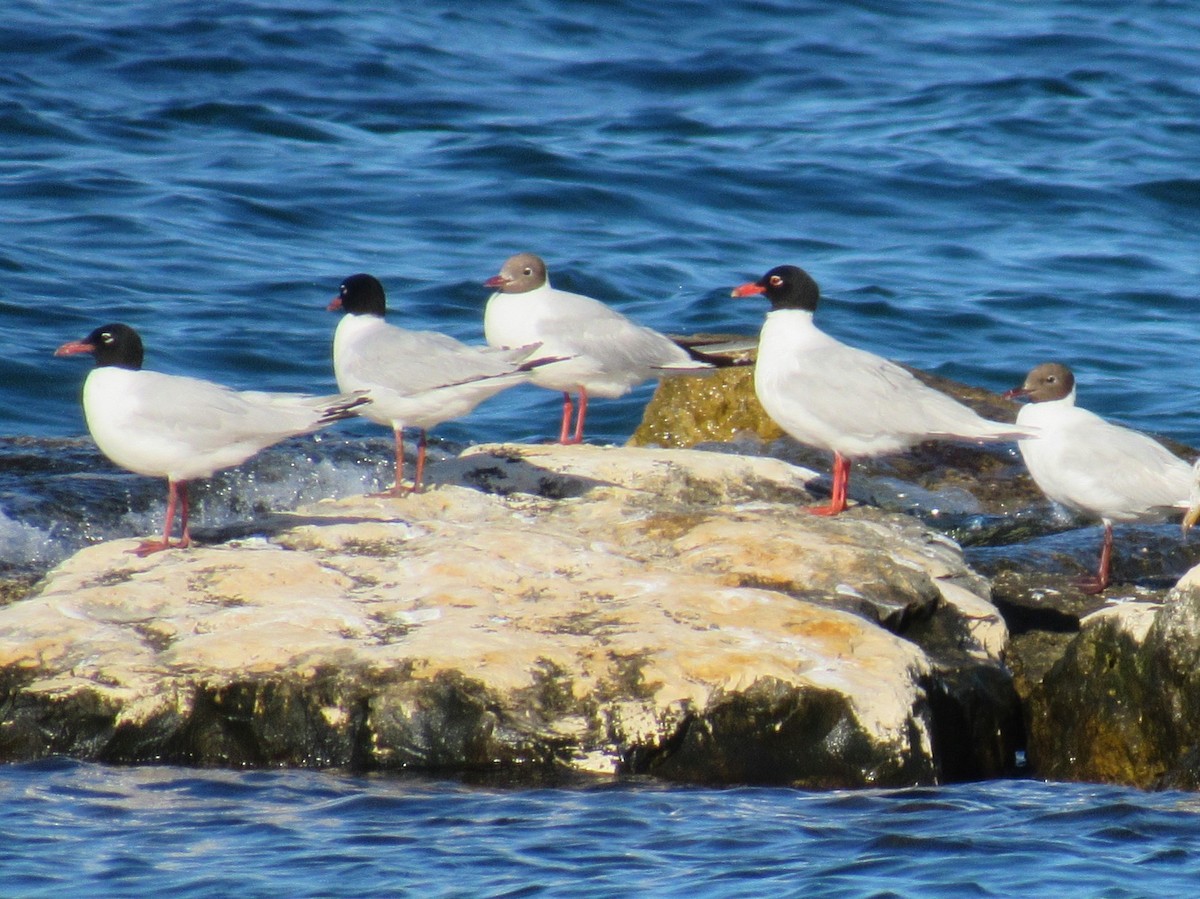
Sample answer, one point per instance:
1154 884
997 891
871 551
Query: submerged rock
544 611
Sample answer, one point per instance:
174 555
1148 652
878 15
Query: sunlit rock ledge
542 611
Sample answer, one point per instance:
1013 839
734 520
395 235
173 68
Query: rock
1085 713
15 585
1060 636
1123 703
544 611
713 408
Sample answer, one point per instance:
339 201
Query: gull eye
527 271
775 281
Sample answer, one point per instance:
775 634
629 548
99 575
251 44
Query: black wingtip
531 364
345 408
692 346
719 361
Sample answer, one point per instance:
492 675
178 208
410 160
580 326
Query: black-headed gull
1093 466
417 379
607 354
827 394
184 428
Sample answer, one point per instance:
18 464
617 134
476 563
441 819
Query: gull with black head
182 428
417 379
836 397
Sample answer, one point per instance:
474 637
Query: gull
1096 467
606 353
417 379
183 428
836 397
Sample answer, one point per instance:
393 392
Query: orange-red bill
72 347
748 290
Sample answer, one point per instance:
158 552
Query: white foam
27 546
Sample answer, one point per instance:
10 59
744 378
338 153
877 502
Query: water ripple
304 833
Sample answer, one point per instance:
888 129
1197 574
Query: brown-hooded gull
606 354
1093 466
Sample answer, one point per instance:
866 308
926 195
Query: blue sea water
977 186
78 829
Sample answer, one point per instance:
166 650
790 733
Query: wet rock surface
1122 704
545 611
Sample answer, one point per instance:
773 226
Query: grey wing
409 362
889 399
207 416
1134 468
611 338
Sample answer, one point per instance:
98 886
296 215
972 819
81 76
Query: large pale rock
542 610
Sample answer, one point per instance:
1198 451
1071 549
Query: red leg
419 480
1101 580
398 489
399 434
147 547
185 535
582 414
565 431
837 496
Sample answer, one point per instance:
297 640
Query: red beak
496 282
1016 393
73 347
335 304
748 290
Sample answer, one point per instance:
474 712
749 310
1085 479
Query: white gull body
183 428
419 379
1104 470
830 395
